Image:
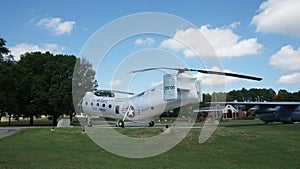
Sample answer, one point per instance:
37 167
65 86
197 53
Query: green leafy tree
8 83
60 72
35 83
8 89
296 96
48 84
3 49
251 95
283 95
83 81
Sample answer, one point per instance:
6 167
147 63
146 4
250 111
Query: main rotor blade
228 74
155 68
181 70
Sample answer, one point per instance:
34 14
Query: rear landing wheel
151 123
121 124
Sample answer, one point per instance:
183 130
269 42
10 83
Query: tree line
255 95
41 84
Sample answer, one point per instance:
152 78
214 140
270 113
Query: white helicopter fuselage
175 91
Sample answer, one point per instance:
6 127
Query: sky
256 37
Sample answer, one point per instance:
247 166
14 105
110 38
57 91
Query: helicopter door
117 109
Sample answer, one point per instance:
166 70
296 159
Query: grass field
235 144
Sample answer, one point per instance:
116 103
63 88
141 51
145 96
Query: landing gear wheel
151 123
121 123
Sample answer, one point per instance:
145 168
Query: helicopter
176 90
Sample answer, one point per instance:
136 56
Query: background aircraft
285 112
176 90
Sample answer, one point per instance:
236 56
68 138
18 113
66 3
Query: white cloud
289 79
278 16
146 41
56 25
55 48
23 48
206 41
216 80
286 59
116 83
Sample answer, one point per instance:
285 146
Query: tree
4 52
262 94
8 83
60 71
251 95
35 83
235 95
283 95
3 49
296 96
48 81
83 80
218 97
46 75
8 89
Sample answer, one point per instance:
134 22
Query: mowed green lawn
235 144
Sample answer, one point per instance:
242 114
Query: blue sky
255 37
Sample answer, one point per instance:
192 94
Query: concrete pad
4 132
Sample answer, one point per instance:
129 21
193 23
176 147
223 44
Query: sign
169 87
